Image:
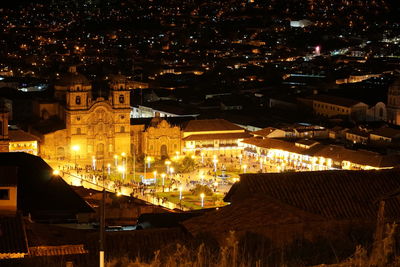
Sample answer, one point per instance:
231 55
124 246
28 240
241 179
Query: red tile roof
19 135
211 125
331 194
217 136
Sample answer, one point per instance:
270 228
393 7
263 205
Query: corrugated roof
331 194
12 235
210 125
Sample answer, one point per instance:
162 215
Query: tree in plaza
186 165
198 189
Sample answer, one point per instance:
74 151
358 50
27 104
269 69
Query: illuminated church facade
92 127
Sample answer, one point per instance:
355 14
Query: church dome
69 79
394 88
117 78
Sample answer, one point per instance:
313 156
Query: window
122 117
78 88
381 112
78 100
121 87
78 118
4 194
78 130
122 129
121 99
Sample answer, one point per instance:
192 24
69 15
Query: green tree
198 189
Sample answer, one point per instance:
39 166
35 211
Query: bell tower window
78 100
121 99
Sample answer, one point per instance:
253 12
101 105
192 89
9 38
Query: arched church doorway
60 153
163 151
100 151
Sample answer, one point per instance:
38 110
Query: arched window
381 112
78 88
121 99
78 100
121 87
78 130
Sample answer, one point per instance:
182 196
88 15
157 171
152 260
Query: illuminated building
393 103
21 141
4 138
216 136
310 155
100 127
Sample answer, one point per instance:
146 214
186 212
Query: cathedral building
393 104
82 126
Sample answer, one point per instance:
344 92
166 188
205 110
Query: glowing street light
163 180
116 160
180 193
155 174
56 172
215 186
75 148
123 155
93 162
202 199
202 157
244 168
109 169
167 163
240 159
122 170
215 161
148 159
171 170
202 178
261 163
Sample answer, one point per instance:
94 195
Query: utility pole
102 224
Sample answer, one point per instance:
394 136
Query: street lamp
155 174
75 148
94 163
244 168
167 163
202 157
148 159
240 159
116 160
163 178
261 163
180 196
171 170
202 199
215 186
109 169
121 169
215 161
180 193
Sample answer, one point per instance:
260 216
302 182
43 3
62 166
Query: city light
56 172
202 199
